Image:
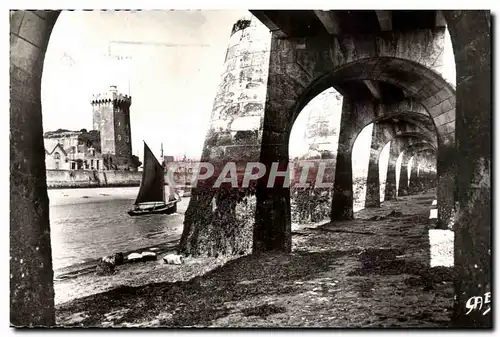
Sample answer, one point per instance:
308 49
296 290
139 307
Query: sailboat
151 196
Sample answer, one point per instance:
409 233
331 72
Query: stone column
428 171
403 176
446 186
414 181
31 274
473 133
390 185
373 179
342 200
272 230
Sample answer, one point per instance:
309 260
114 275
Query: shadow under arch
368 184
417 81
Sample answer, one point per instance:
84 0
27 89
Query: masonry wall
83 179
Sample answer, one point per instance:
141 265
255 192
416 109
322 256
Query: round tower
235 135
238 110
111 117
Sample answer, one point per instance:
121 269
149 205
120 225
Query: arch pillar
446 187
413 184
31 278
427 170
471 37
342 200
403 176
373 179
273 224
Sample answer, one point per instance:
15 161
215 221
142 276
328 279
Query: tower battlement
112 95
111 116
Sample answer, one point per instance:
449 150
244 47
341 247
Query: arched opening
313 142
360 160
412 81
92 53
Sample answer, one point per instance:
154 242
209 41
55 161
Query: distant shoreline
62 187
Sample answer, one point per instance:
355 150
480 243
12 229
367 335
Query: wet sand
361 273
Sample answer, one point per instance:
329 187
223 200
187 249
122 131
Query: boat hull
167 208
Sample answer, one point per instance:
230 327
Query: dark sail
153 179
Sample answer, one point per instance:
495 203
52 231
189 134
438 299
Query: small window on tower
119 123
119 137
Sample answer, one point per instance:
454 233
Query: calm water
90 223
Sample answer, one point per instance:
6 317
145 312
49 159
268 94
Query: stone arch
400 139
409 177
31 284
297 63
379 142
422 84
381 135
408 152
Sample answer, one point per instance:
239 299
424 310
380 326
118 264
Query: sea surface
87 224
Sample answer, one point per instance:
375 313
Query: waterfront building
107 147
72 150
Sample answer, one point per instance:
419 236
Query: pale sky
172 87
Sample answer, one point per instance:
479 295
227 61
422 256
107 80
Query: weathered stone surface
342 200
31 278
447 128
473 221
390 185
365 46
445 117
414 183
32 28
215 222
440 108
